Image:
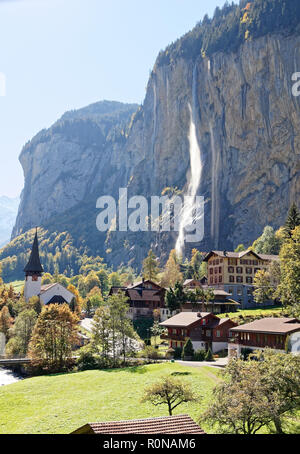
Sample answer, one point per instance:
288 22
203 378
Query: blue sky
59 55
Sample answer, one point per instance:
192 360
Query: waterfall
195 177
215 199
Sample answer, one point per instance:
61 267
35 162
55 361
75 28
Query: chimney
199 315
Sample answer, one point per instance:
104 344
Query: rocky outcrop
248 130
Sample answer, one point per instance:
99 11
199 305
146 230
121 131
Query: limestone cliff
248 131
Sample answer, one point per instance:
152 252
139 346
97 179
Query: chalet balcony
253 344
175 337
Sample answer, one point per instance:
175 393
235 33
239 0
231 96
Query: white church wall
32 288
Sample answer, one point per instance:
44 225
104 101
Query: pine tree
188 350
293 220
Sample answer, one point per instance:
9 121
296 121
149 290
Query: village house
48 294
179 424
203 328
234 272
265 333
144 298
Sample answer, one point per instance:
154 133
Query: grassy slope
252 312
62 403
17 285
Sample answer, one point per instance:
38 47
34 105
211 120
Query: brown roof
239 255
184 319
44 288
181 424
145 295
270 325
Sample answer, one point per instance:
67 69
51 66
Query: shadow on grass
180 373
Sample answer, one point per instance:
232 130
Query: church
48 294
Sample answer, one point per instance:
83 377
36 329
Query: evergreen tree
150 267
188 350
293 220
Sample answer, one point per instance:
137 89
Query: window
230 290
211 270
240 291
208 332
230 269
231 278
239 279
220 269
239 270
218 333
211 280
249 270
220 278
204 322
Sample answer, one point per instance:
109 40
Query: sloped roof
239 255
143 295
184 319
181 424
272 325
34 263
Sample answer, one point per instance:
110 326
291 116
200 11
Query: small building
205 330
181 424
48 294
194 283
221 304
234 272
265 333
144 298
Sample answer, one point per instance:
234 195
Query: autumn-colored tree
172 273
5 321
35 304
171 392
150 266
54 336
77 301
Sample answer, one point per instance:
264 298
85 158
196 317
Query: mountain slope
234 72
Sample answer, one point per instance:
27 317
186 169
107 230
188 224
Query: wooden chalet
144 297
205 330
265 333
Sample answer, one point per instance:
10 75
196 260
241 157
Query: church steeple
34 266
33 272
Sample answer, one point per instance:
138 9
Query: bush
188 350
142 327
150 353
170 353
199 355
177 353
209 355
245 352
86 360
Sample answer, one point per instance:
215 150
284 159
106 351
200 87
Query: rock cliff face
248 131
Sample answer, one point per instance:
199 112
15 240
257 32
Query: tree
188 350
169 391
204 296
240 248
176 297
288 291
150 266
100 333
239 403
267 243
76 301
22 330
171 273
281 376
156 330
5 321
264 291
209 356
257 393
54 336
292 221
35 304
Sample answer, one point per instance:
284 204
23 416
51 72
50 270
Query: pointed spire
34 264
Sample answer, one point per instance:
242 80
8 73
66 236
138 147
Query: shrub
188 350
177 353
86 360
209 355
170 353
199 355
150 353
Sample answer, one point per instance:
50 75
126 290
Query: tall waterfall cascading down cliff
195 173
